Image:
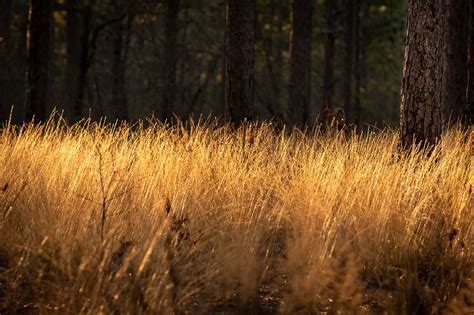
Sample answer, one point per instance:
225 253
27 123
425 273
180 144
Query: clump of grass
200 218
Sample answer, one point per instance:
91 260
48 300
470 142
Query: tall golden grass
198 218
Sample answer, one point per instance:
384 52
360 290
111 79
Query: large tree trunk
240 60
329 53
348 55
421 117
299 93
73 55
455 70
170 60
37 77
5 22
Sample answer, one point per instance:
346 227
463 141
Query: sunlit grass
198 218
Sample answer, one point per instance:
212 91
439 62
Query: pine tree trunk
5 27
73 56
273 61
348 56
170 60
38 74
455 70
421 116
299 93
329 54
240 60
185 107
118 100
364 43
84 59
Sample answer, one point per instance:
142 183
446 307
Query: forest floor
197 218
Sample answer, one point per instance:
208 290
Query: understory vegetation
198 218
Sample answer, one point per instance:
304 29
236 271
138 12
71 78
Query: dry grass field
200 219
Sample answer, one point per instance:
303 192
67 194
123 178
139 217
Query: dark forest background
129 59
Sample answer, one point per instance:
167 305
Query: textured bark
37 73
5 32
329 53
455 70
240 60
470 65
170 60
421 94
299 93
348 55
73 55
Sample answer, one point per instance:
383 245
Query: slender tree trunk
279 63
119 96
73 55
348 55
170 60
364 43
5 27
37 73
51 65
272 60
240 60
329 53
299 93
357 64
456 48
17 93
224 74
84 59
118 101
421 111
469 111
185 109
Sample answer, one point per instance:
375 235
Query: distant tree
74 49
170 59
272 19
108 66
5 34
38 74
364 44
357 112
348 59
299 93
455 59
421 94
240 60
86 52
470 81
120 33
329 52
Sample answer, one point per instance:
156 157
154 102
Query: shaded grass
199 219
